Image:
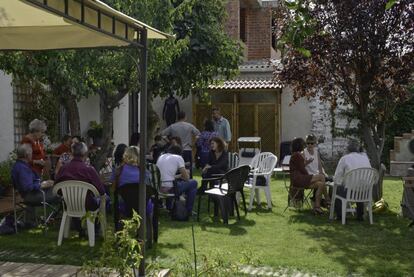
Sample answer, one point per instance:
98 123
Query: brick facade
232 25
256 28
258 33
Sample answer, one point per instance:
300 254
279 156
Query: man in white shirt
185 131
355 159
171 163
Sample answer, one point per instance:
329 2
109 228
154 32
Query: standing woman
301 179
203 142
37 129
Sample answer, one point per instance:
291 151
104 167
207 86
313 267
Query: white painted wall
121 120
296 119
6 116
89 110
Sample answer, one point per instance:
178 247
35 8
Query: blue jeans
190 189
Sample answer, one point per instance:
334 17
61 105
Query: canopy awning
66 24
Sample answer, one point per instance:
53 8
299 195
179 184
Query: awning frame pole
143 144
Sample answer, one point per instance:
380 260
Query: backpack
179 211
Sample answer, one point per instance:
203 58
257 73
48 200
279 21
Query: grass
292 240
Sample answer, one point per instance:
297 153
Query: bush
5 173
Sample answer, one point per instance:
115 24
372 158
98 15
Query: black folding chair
229 184
129 193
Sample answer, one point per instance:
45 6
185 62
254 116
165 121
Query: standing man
221 125
185 131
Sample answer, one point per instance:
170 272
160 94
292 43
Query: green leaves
390 4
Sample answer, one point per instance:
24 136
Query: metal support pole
143 145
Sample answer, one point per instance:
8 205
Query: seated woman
66 157
299 177
203 142
129 173
218 160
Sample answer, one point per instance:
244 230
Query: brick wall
258 33
233 20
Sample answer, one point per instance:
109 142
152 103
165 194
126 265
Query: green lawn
291 240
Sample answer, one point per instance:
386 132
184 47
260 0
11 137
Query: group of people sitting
32 166
307 172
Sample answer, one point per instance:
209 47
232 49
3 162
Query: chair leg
198 207
344 205
332 209
258 197
66 229
62 228
268 197
371 219
252 192
237 207
224 210
91 232
244 202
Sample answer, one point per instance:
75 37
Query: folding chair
129 193
18 201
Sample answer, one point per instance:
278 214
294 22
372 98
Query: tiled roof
245 84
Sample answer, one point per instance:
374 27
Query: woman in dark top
299 177
218 160
204 142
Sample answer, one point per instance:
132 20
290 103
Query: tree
200 52
353 53
52 68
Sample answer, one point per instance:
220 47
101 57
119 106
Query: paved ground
9 269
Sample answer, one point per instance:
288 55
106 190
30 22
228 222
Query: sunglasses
310 143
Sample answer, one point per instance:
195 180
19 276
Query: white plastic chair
265 168
234 160
259 158
74 196
358 184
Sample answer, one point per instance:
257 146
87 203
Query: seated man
353 160
171 163
64 147
27 182
78 170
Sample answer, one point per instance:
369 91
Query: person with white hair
28 183
37 129
355 158
78 170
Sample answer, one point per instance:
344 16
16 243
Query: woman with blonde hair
128 172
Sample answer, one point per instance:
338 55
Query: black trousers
341 191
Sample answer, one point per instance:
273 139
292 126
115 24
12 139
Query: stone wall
401 157
330 147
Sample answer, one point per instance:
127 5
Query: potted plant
95 132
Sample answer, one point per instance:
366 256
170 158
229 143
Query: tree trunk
374 153
107 124
73 115
152 121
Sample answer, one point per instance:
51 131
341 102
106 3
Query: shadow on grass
382 249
